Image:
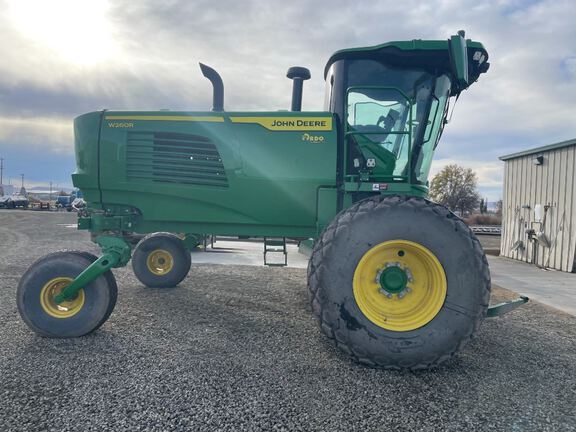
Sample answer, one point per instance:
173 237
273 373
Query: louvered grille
174 158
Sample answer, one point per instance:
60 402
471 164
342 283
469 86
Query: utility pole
1 176
22 190
50 192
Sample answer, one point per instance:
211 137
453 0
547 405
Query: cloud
48 134
74 56
527 92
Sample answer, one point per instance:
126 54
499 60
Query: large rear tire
161 260
399 282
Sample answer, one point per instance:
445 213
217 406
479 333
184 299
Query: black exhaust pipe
298 75
217 85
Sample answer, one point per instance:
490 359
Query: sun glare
76 30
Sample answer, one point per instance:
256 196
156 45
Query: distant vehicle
65 201
78 204
14 201
37 203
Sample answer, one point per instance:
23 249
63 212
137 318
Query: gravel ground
236 348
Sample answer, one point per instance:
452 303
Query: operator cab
392 102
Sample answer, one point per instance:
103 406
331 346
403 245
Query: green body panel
272 173
327 203
86 139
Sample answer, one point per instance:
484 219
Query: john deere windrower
395 280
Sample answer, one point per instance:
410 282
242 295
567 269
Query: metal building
539 206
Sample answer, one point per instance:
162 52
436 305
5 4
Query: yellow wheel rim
399 285
160 262
67 308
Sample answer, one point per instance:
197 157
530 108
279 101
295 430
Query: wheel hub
160 262
393 279
65 309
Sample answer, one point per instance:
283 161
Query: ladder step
275 246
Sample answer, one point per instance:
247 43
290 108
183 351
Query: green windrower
395 280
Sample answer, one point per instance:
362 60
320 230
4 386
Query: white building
539 206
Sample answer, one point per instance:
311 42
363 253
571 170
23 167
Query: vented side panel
174 158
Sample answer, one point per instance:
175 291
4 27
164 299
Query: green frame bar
503 308
116 253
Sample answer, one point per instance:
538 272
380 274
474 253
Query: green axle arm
116 253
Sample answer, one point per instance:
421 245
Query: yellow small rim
67 308
417 305
160 262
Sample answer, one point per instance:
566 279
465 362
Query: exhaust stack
217 85
298 75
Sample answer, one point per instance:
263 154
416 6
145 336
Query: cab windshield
395 117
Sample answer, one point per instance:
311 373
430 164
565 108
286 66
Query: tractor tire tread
341 222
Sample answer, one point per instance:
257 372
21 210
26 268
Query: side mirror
459 59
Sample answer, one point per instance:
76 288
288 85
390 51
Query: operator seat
368 145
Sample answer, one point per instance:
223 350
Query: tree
499 207
456 188
484 205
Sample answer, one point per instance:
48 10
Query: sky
62 58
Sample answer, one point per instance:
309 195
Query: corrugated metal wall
552 183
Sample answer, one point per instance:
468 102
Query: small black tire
161 260
41 315
368 223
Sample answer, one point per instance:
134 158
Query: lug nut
403 293
384 292
409 274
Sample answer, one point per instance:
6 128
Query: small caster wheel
161 260
46 278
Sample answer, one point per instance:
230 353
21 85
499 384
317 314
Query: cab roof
426 54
